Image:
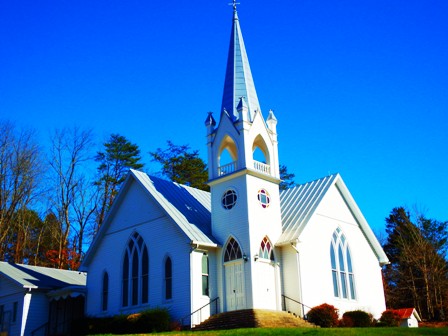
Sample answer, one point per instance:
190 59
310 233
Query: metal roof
298 205
42 277
190 208
238 81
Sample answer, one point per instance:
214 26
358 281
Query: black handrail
284 297
215 300
44 327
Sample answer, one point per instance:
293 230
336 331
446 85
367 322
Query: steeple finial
233 4
238 80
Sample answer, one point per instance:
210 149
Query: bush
357 319
389 318
153 320
325 316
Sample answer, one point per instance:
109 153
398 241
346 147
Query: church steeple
238 81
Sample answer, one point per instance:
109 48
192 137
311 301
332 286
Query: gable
330 197
136 208
334 206
143 199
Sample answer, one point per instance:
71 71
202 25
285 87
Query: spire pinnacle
238 80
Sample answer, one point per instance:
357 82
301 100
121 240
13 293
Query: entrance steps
253 318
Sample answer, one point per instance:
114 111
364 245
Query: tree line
53 201
417 275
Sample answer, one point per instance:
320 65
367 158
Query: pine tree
115 161
182 165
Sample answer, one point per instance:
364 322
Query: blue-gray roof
28 276
190 208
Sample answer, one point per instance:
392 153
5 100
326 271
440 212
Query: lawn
311 332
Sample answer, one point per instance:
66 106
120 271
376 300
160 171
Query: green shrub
357 319
389 318
153 320
325 316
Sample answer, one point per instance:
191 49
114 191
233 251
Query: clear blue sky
358 87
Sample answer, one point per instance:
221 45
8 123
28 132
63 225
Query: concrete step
253 318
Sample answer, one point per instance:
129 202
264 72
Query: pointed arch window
232 251
266 251
168 279
105 292
341 267
135 275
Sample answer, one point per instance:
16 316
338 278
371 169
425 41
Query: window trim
343 276
135 275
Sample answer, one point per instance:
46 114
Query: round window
263 198
229 199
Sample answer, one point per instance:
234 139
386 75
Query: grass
311 332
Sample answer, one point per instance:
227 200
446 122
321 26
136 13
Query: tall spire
238 81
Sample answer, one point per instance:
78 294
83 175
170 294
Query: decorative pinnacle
234 3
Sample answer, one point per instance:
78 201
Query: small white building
39 299
242 245
409 317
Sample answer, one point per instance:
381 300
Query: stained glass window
266 250
263 198
232 251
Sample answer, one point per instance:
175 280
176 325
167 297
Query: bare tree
20 172
70 153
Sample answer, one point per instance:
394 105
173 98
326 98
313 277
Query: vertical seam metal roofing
188 207
298 204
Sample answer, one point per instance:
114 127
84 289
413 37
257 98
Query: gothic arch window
233 251
260 155
227 156
135 275
168 279
105 291
266 251
341 267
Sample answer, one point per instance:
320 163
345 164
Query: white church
242 245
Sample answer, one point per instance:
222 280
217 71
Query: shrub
325 316
389 318
356 318
153 320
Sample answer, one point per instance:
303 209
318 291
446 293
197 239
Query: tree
417 275
70 153
114 162
20 173
182 165
287 178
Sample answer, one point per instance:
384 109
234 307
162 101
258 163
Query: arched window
105 294
135 276
228 156
168 279
232 251
266 251
341 267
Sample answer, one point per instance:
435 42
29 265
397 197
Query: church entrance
235 297
267 285
234 276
